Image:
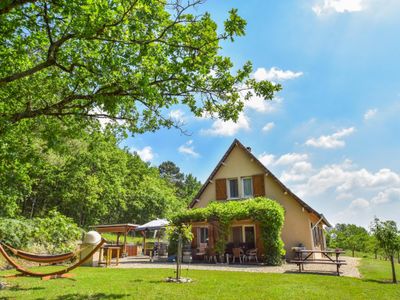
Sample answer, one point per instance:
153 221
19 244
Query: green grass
359 254
101 283
377 270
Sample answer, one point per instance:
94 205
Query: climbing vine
267 212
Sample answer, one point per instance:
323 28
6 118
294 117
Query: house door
249 237
237 237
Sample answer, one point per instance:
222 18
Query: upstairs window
247 184
233 188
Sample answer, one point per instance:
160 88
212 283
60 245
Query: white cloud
345 178
370 113
290 158
268 127
338 6
188 149
331 141
299 172
386 196
227 128
275 74
359 203
146 154
178 116
261 105
266 159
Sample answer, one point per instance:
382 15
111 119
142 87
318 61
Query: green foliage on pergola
267 212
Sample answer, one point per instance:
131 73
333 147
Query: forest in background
79 170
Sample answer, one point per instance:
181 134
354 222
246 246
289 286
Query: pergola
119 229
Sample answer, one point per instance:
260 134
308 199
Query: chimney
248 148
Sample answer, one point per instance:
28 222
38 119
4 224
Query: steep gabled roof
236 142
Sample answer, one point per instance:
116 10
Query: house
240 175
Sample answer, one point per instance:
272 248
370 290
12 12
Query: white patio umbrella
153 225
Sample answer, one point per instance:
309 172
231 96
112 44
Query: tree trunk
393 269
398 256
353 251
376 254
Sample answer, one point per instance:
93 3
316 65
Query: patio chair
237 253
252 253
202 251
212 255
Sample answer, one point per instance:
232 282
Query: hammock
51 259
49 275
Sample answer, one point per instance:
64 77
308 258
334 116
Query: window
247 184
233 188
202 235
243 235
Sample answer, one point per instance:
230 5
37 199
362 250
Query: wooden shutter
258 185
220 189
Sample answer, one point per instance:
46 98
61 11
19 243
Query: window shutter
220 189
258 185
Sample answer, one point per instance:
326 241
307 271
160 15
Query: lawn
100 283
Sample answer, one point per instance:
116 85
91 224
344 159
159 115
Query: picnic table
303 257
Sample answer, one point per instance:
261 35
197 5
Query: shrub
17 233
267 212
55 233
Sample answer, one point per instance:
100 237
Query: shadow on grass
379 281
97 296
17 288
328 273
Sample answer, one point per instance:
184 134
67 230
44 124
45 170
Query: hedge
267 212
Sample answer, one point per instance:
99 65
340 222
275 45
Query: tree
387 234
80 172
373 246
350 236
172 173
191 187
124 60
186 186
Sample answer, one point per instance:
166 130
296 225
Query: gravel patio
349 270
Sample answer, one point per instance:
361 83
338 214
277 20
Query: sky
332 135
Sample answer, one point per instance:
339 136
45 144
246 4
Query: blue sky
333 134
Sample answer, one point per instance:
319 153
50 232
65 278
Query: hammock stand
50 259
50 275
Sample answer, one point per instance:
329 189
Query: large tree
128 60
186 186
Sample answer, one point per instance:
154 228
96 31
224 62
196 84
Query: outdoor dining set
232 254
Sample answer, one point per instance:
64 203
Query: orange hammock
54 274
50 259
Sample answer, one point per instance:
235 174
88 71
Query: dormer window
233 188
247 186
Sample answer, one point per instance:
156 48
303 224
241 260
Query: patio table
306 257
